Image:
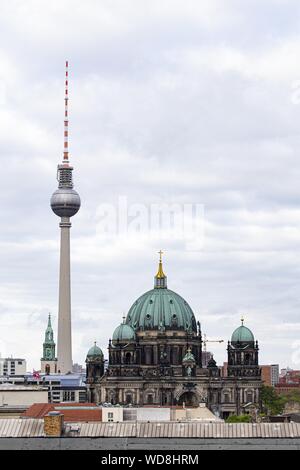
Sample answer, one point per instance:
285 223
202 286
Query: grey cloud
179 102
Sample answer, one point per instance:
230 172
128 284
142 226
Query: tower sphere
65 202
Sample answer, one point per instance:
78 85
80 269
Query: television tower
65 202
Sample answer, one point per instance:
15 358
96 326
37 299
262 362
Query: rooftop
75 412
22 388
18 427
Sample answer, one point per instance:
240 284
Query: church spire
160 279
49 344
49 332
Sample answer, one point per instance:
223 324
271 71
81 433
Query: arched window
148 355
128 358
128 398
150 399
226 397
47 369
247 359
164 399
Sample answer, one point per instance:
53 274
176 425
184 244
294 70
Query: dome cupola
94 353
242 334
124 333
160 279
161 308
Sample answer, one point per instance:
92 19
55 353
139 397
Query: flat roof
24 388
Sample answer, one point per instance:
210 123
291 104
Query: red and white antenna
66 121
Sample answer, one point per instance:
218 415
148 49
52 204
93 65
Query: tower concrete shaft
65 203
64 340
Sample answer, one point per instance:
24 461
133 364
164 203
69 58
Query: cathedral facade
155 358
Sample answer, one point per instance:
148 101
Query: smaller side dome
94 352
123 333
242 334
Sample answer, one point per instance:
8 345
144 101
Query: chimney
53 424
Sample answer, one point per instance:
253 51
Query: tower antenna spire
66 120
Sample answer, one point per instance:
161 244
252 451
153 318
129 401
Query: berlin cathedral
156 358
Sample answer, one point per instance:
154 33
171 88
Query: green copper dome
161 308
95 351
123 333
242 334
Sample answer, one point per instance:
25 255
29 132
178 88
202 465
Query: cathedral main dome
161 308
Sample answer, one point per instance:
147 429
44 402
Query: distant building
224 369
12 366
21 395
274 374
289 380
75 412
266 375
78 369
62 388
49 361
289 377
286 388
206 357
270 374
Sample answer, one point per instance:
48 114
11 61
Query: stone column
155 355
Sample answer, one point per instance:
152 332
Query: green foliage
272 402
292 396
239 419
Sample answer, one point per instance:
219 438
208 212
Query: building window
150 399
68 396
110 417
20 363
128 399
82 397
226 398
128 358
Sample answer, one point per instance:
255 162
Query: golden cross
160 254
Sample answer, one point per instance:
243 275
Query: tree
272 402
292 395
239 419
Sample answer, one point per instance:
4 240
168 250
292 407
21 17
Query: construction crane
205 340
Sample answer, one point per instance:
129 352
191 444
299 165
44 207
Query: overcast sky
171 101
